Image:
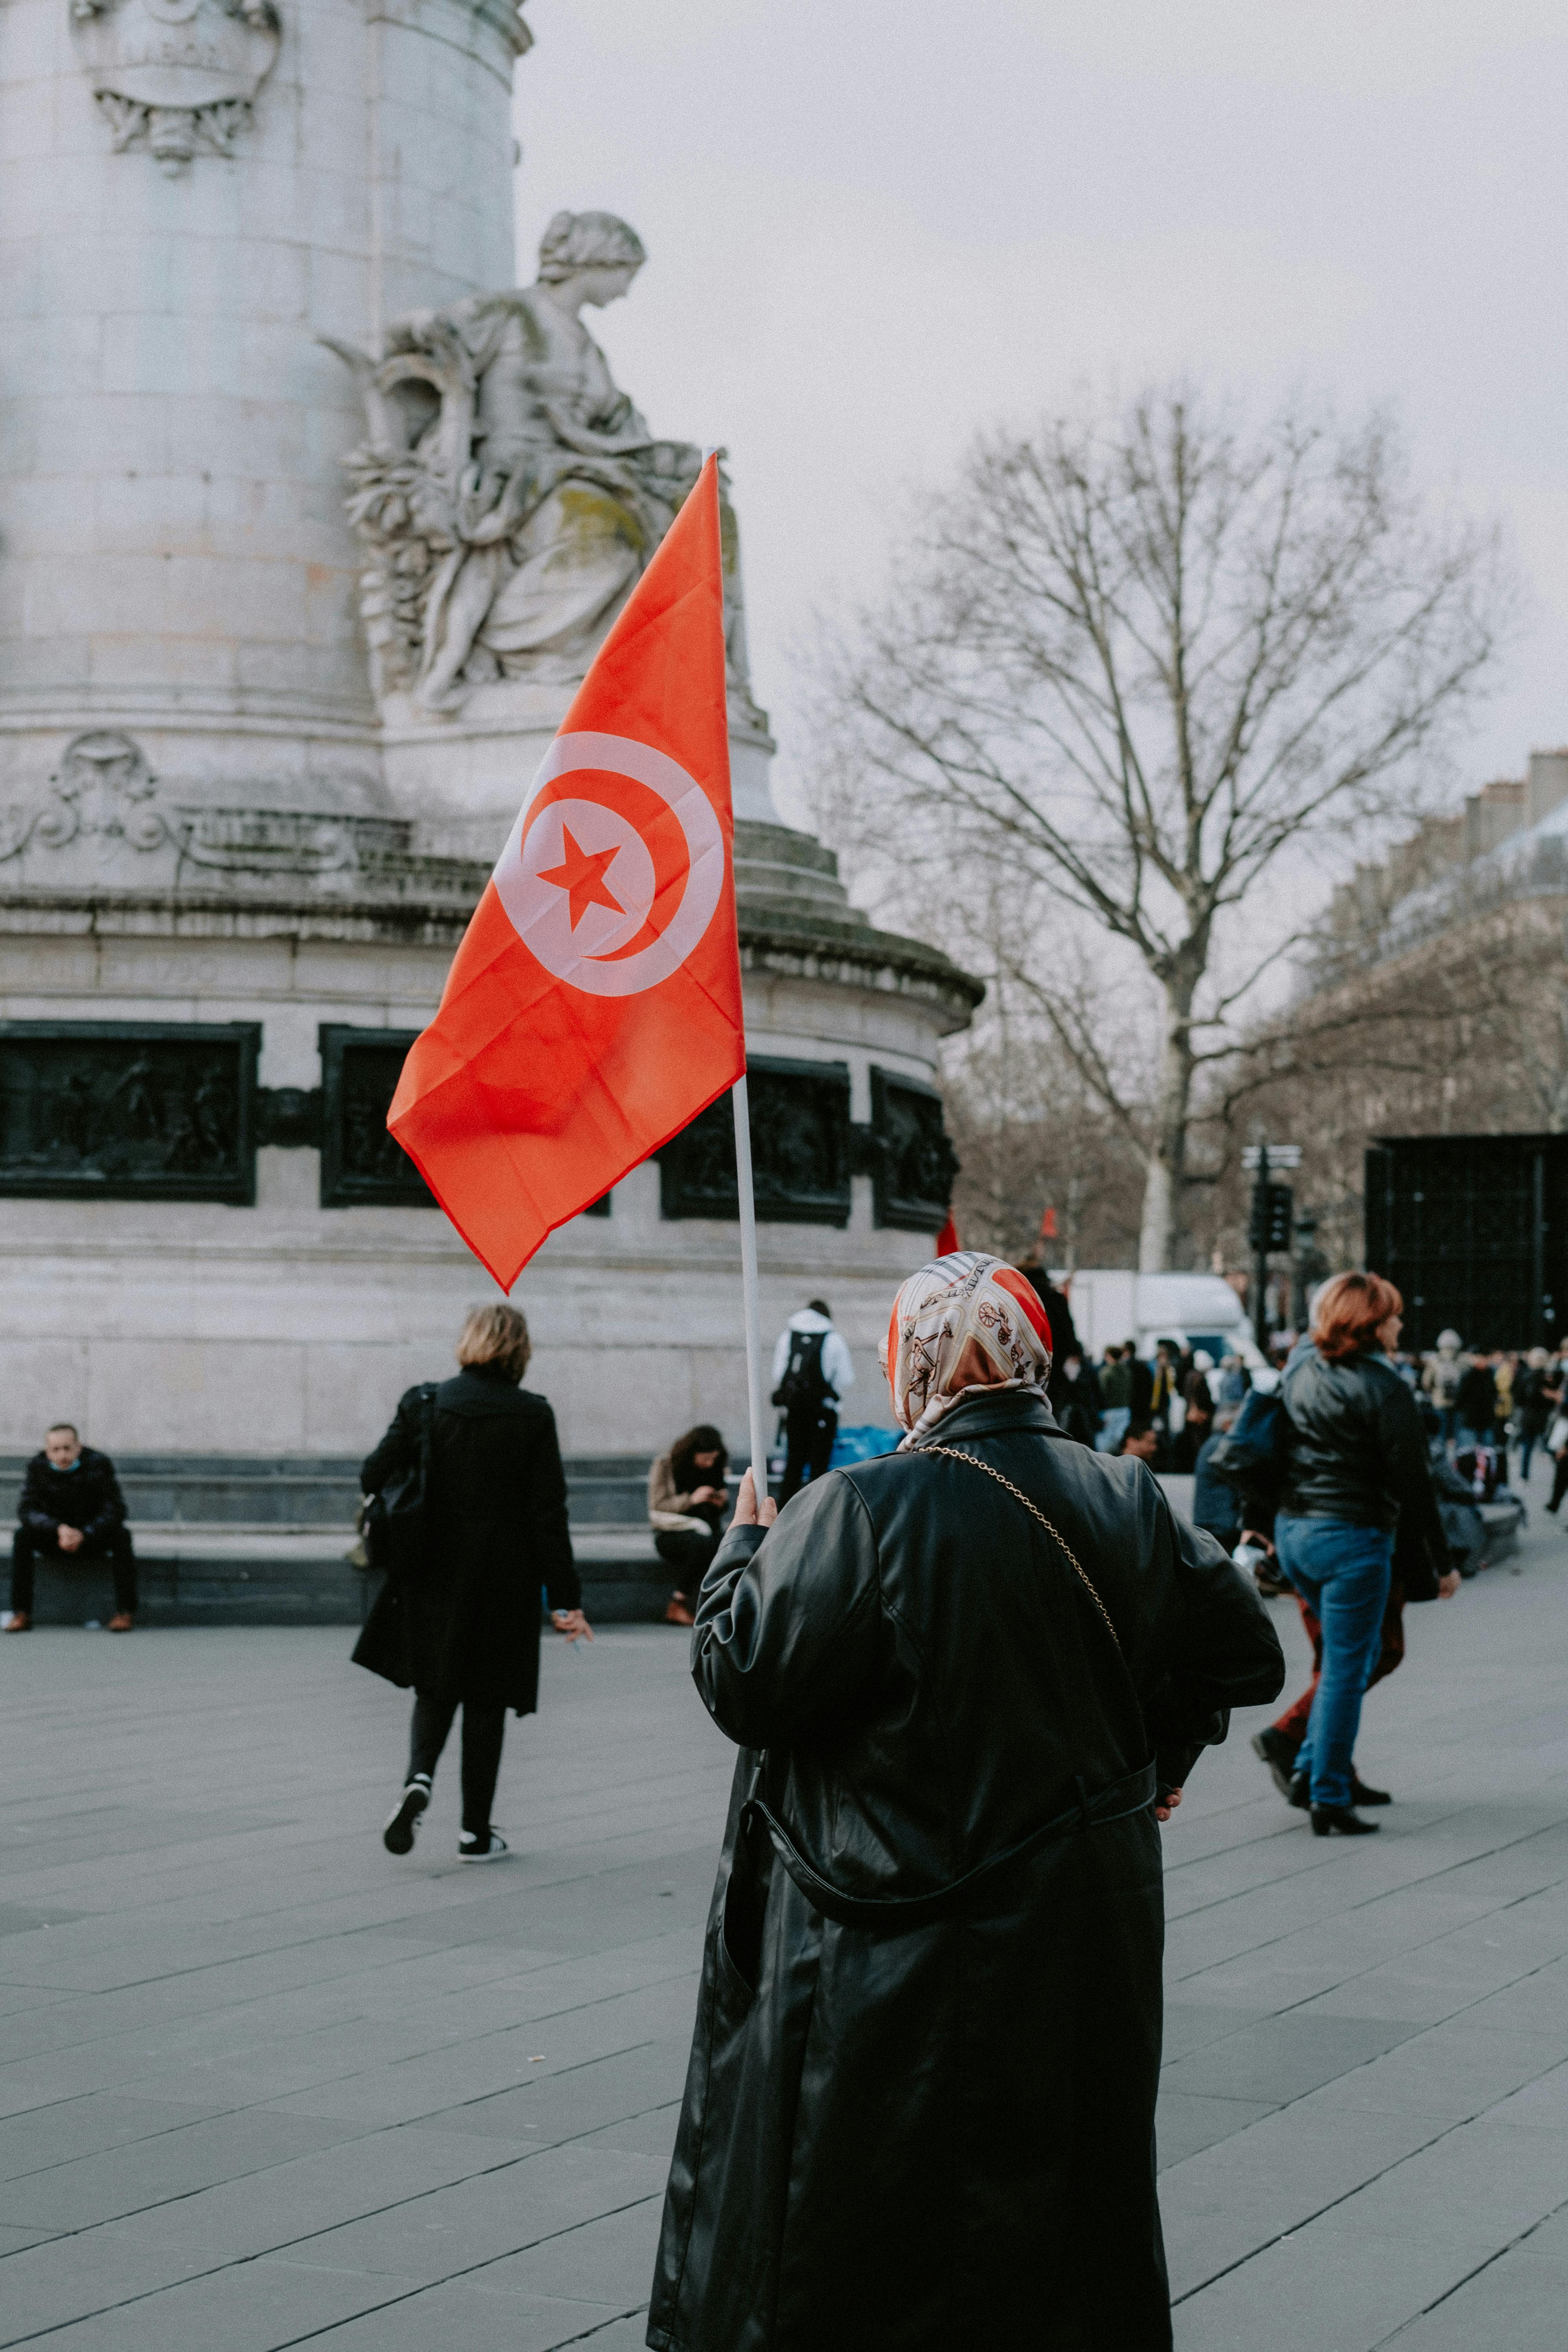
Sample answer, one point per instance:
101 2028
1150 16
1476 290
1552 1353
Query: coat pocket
740 1938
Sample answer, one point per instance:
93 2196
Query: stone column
191 192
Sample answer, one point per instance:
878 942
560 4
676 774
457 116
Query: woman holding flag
966 1679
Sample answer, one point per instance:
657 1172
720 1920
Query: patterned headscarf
968 1325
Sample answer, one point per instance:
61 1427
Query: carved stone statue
510 495
178 74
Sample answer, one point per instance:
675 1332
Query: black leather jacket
921 1681
1357 1450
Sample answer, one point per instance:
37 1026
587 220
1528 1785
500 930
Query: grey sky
877 223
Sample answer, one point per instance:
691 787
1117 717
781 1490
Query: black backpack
803 1388
395 1522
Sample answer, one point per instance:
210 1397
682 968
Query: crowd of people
969 1679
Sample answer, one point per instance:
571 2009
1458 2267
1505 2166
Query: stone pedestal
241 831
462 778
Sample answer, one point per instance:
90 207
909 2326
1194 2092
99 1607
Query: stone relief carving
914 1162
364 1167
104 801
800 1149
123 1110
178 76
509 493
103 788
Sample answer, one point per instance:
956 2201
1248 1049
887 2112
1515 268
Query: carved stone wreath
103 788
176 76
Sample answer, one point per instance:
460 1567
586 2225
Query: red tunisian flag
594 1007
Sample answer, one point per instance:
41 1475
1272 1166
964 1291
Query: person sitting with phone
687 1505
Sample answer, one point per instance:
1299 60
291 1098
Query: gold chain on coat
975 1464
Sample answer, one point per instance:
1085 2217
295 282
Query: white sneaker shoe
489 1848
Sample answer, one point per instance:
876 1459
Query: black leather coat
936 2134
466 1626
1357 1450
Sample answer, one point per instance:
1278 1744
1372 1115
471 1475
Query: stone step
294 1491
259 1575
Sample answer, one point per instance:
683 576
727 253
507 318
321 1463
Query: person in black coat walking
71 1509
462 1628
965 1680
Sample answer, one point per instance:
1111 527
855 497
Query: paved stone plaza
265 2086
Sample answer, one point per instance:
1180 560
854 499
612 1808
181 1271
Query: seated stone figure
512 493
71 1509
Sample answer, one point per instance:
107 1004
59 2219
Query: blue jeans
1112 1428
1342 1572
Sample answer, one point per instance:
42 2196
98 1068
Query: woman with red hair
1356 1470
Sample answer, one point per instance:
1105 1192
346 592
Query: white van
1111 1303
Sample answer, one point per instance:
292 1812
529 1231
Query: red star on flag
582 875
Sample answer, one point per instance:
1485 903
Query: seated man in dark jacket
71 1508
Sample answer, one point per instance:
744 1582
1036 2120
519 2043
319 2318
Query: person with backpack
812 1371
475 1462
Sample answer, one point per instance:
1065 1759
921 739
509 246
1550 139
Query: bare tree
1134 660
1030 1137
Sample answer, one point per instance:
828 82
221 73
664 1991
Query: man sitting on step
71 1508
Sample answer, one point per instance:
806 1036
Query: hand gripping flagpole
749 1289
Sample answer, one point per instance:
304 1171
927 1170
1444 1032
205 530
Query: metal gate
1474 1231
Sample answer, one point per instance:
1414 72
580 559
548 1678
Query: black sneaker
488 1848
397 1837
1279 1753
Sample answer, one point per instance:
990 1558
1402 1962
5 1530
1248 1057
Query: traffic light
1273 1214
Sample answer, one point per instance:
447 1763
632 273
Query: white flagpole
752 1303
749 1290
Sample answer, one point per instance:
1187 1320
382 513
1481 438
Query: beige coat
668 1509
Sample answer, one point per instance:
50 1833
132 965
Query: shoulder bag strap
1033 1510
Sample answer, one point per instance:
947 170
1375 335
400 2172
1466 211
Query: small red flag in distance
594 1007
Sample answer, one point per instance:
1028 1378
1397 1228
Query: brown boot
20 1622
678 1613
121 1624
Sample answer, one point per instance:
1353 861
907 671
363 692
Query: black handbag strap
953 1454
895 1914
